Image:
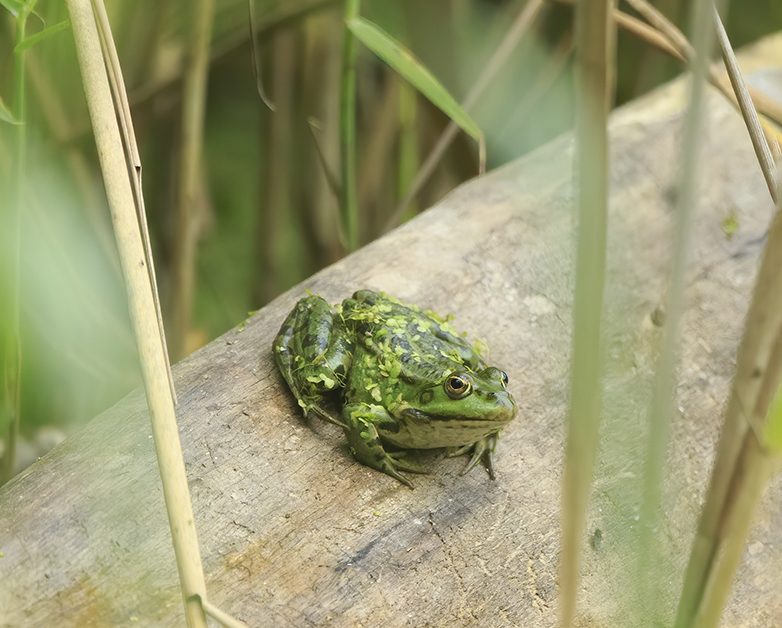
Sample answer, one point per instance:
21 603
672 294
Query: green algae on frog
401 377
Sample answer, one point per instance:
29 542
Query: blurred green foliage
267 216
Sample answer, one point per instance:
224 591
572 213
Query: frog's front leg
482 449
365 445
313 354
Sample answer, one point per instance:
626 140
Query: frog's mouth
497 419
417 430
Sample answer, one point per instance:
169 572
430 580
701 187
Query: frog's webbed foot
482 449
366 447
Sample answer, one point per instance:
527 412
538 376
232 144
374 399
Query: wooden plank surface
295 533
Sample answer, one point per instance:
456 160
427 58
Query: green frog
400 376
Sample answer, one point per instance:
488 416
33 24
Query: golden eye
504 378
458 386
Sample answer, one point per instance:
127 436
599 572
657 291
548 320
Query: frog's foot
366 447
482 449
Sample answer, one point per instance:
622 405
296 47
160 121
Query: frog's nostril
491 396
504 399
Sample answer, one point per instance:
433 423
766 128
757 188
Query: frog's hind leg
365 442
323 413
313 355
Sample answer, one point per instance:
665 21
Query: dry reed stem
121 104
141 304
758 371
664 35
685 50
759 143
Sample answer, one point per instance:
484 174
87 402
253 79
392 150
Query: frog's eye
504 378
457 386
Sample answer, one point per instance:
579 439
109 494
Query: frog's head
477 400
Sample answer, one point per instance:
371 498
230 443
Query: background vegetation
264 215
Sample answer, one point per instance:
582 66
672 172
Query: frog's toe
483 449
466 449
390 470
403 465
392 466
488 457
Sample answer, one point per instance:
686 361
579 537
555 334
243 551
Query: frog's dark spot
415 415
438 345
757 373
407 378
390 427
314 341
401 341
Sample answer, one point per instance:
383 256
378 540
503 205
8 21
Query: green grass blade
46 32
404 62
10 400
348 201
12 6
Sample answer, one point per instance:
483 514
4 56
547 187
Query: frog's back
423 342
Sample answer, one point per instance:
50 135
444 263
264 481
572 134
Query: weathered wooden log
294 532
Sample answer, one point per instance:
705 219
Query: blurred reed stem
11 239
746 454
141 302
408 144
348 203
379 156
190 202
520 26
649 578
278 176
547 75
595 37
